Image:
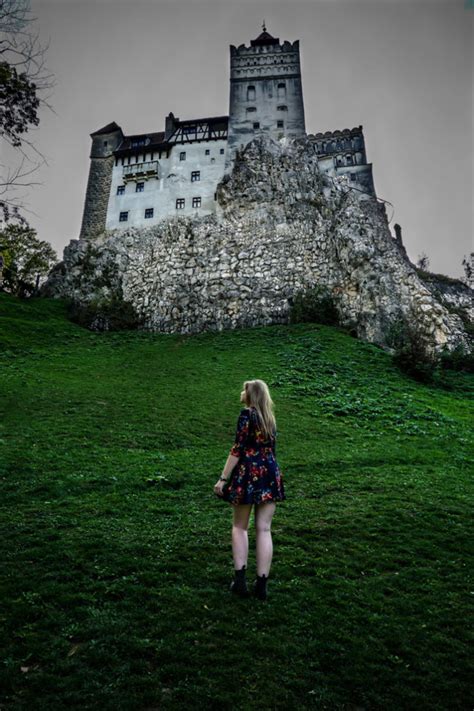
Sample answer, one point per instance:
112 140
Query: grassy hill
116 554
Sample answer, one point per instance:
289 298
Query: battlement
271 48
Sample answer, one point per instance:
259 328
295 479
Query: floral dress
256 477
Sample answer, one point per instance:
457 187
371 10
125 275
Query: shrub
314 305
410 353
444 278
112 314
460 358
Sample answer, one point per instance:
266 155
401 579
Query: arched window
348 159
250 93
281 90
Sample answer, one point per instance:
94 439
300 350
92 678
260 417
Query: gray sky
401 68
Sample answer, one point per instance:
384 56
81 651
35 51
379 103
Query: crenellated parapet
343 153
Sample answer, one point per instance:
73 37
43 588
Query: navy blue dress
256 477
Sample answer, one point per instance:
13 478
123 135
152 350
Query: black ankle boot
239 584
260 586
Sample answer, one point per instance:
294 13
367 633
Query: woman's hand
218 487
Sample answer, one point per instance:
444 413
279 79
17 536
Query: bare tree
25 86
423 261
468 264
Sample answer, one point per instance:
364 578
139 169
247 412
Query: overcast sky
401 68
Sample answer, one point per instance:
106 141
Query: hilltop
117 555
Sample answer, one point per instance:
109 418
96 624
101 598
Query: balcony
141 171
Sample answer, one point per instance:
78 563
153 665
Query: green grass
116 555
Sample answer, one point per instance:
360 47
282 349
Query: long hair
258 396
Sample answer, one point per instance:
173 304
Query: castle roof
264 38
187 131
110 128
150 141
210 119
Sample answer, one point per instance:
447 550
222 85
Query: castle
135 181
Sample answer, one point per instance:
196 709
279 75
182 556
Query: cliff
281 227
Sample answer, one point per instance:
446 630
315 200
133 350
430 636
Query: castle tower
265 91
104 142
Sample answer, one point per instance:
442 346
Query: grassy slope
115 588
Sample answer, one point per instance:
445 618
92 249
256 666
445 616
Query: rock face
281 227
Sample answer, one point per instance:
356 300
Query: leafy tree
24 86
25 259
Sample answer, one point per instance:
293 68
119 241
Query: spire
264 38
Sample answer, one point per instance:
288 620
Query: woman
251 475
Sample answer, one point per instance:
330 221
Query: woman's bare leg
264 547
240 539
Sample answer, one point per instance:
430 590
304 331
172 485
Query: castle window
182 155
282 108
140 187
195 176
221 151
251 109
120 189
137 142
250 93
280 124
282 90
179 203
196 202
349 159
256 124
213 160
207 151
353 176
105 144
123 216
149 212
215 196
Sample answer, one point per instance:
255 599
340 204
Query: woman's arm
229 465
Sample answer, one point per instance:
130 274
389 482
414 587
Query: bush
444 278
111 314
314 305
460 358
410 353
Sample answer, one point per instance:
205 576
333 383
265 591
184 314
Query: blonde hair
258 396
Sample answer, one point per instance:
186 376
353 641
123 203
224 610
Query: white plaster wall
174 182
